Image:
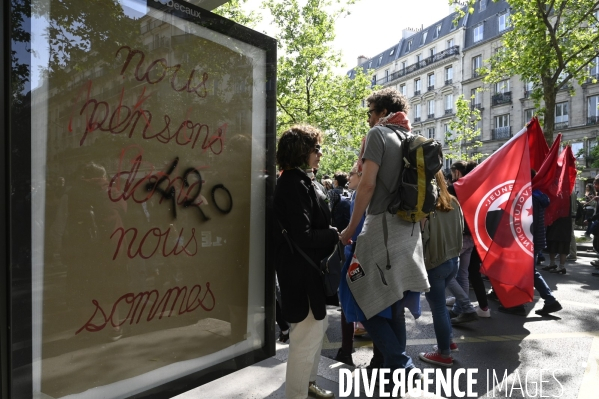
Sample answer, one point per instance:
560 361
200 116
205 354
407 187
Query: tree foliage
308 89
463 135
550 43
233 10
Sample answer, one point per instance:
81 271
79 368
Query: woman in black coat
302 211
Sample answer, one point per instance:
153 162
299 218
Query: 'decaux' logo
489 214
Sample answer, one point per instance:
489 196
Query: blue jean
439 279
465 254
389 335
542 286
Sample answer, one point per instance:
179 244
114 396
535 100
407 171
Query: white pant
305 343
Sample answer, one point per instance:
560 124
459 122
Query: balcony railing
431 88
448 82
478 106
593 120
502 98
417 119
527 93
448 111
430 116
560 125
416 92
450 52
594 76
501 133
382 80
475 74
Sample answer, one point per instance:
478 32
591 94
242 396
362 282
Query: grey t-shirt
383 147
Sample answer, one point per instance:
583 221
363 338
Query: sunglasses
317 148
369 112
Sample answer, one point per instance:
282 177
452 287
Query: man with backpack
387 270
339 201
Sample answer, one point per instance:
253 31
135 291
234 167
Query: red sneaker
436 358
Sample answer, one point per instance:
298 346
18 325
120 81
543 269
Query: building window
386 75
431 108
561 115
594 68
402 89
502 87
437 31
430 81
417 113
431 52
424 34
403 66
528 114
409 46
502 127
477 62
476 98
448 104
593 110
369 64
482 5
417 86
478 32
503 21
447 163
450 43
380 60
430 132
392 51
373 80
502 120
449 75
528 87
418 58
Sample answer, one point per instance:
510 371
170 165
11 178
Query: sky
373 25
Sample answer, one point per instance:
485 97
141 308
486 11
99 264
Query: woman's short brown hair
296 145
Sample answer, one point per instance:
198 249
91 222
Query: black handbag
329 268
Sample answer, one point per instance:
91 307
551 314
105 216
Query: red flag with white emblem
496 198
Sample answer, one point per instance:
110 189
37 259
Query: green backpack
417 194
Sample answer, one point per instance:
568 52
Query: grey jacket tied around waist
391 263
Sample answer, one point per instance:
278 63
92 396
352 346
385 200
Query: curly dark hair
389 99
296 145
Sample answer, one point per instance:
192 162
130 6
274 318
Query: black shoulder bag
329 268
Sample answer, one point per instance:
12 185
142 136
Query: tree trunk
549 94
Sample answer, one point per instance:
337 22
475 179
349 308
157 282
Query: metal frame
15 217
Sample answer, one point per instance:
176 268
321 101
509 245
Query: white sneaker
449 301
483 313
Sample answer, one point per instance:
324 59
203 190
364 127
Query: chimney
362 59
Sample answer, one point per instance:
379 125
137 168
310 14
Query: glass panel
144 268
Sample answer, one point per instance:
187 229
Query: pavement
508 355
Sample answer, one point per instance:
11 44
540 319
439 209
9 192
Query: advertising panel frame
16 298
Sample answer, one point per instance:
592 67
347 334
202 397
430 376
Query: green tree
550 43
233 10
308 90
463 135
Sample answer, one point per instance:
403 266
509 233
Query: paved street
565 347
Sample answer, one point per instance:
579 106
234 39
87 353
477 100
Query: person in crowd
572 254
462 310
558 243
350 311
281 322
540 202
386 240
339 201
442 239
589 203
327 184
304 222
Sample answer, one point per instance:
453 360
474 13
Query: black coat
306 218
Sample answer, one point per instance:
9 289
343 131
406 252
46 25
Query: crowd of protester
441 262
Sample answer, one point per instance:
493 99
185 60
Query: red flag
496 198
544 178
537 144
